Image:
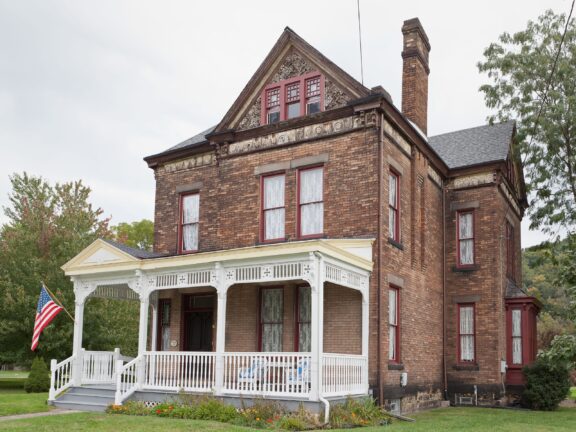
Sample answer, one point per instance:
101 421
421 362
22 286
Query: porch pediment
99 253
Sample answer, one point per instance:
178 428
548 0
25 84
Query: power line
360 39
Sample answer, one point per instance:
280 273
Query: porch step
86 398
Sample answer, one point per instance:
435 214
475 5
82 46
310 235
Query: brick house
317 244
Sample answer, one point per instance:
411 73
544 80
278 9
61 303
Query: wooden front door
198 322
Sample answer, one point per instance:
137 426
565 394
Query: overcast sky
88 88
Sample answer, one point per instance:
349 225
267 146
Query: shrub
547 384
39 379
357 412
214 409
136 408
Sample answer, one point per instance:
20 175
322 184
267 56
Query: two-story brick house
316 244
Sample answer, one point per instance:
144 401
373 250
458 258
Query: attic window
293 98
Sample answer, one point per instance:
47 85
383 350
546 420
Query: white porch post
317 327
154 338
142 335
77 341
222 291
365 335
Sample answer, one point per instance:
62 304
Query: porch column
77 342
142 336
220 340
365 334
317 328
154 338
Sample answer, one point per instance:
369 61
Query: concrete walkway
56 411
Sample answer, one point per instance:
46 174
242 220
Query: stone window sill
468 269
395 366
466 367
395 244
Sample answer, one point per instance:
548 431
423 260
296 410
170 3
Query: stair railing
61 376
127 378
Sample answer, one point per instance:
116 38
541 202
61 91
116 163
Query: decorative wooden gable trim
97 254
291 56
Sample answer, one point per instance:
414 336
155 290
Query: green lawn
14 374
19 402
573 392
447 419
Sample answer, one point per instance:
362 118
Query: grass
447 419
18 402
12 380
573 392
14 374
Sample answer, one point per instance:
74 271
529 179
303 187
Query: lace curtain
272 313
274 207
466 236
466 333
311 205
304 318
190 217
392 322
516 336
393 205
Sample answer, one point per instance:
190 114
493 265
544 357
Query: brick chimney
415 72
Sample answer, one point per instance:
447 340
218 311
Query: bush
39 379
547 385
358 412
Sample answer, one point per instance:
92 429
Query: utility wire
549 83
360 39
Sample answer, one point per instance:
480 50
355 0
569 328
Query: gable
292 65
99 253
290 57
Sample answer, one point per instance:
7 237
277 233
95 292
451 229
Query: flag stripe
46 310
45 319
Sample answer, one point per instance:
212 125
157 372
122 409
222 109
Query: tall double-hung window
465 233
311 202
189 222
273 207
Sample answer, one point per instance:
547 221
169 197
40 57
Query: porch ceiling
102 257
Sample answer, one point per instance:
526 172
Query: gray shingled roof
474 146
191 142
136 253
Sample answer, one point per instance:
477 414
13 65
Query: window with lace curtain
163 343
466 333
517 336
465 232
394 206
311 202
189 221
303 319
393 325
273 207
271 319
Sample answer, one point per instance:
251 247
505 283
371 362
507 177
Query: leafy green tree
519 66
139 234
47 226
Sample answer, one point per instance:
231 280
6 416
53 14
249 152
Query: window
189 217
393 325
273 211
466 334
293 98
303 319
163 343
466 238
517 336
271 315
311 202
394 206
510 251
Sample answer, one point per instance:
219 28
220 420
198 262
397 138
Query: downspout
379 285
444 291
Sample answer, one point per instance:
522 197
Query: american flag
45 312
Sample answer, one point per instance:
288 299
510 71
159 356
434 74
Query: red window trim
510 252
262 211
396 209
523 330
297 321
398 353
260 323
180 224
459 343
282 86
298 206
161 303
458 214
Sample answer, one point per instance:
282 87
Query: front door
198 320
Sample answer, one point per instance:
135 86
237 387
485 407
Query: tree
47 226
139 234
38 380
519 67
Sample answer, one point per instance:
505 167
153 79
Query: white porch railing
344 374
267 374
174 371
60 377
127 379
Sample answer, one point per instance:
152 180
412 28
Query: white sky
88 88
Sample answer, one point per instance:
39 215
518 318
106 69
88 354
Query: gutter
444 371
379 326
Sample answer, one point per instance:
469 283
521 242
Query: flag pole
58 302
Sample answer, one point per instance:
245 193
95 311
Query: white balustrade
60 377
344 374
127 379
175 371
267 374
98 367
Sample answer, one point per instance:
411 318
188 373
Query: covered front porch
287 321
